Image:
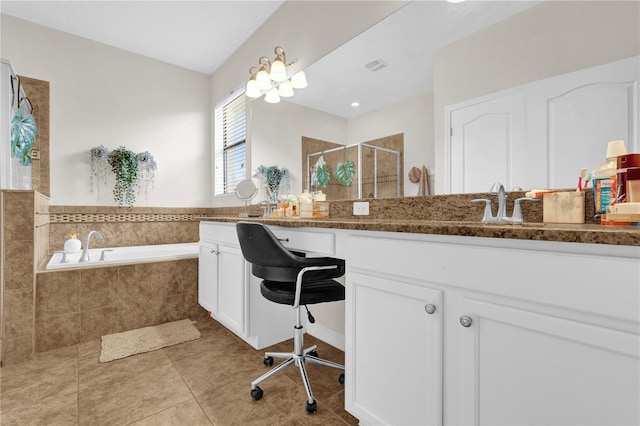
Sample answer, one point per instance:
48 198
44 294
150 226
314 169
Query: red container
627 163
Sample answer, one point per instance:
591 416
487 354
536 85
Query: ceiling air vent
375 65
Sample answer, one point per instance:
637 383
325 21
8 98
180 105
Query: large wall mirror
418 72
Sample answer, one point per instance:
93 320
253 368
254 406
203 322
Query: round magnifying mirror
245 191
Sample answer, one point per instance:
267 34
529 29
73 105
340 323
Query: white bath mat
127 343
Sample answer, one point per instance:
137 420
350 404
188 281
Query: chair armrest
296 301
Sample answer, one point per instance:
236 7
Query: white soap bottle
603 179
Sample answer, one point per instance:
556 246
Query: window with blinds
230 144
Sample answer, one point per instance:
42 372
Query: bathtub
120 255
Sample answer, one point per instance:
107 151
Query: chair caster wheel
268 361
312 408
256 393
314 353
341 379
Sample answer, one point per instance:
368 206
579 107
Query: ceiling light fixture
270 78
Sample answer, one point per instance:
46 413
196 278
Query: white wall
414 118
106 96
552 38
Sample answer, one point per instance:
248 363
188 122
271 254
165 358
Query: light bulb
252 90
263 82
278 70
285 89
299 80
272 96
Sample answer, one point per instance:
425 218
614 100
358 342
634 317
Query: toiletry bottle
603 179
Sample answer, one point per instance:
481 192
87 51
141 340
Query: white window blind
230 144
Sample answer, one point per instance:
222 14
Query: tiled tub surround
24 231
27 227
124 227
78 305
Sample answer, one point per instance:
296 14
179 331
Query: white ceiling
198 35
406 42
201 35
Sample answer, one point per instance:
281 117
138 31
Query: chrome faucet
516 217
498 189
85 250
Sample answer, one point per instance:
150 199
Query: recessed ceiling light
455 1
355 104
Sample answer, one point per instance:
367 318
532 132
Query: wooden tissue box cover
563 207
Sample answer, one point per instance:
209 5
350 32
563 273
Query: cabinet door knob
466 321
215 252
429 308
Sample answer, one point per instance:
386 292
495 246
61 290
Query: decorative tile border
123 217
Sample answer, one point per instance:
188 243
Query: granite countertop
452 214
585 233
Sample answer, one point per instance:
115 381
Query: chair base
298 357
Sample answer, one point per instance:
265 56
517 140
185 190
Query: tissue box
563 207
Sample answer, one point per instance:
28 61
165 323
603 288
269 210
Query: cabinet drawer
307 241
219 232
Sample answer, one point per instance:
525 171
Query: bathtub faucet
85 251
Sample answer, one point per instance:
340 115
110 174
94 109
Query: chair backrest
272 261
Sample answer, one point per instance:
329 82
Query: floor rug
127 343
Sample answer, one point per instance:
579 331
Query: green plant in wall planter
124 164
23 136
99 156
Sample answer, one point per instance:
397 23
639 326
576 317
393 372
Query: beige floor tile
187 413
191 348
70 386
45 388
41 361
283 403
336 404
122 399
224 363
59 409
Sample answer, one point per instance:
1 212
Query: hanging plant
147 167
345 170
124 165
23 136
322 172
99 168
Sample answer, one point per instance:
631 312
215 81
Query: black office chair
290 278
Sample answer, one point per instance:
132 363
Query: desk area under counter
481 323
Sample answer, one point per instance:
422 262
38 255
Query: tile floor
202 382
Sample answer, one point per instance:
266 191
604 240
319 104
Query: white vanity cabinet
520 366
231 294
208 277
395 351
523 332
552 338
